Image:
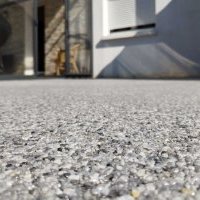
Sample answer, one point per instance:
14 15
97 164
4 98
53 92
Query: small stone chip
135 194
187 191
125 197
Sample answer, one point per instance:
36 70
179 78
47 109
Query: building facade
100 38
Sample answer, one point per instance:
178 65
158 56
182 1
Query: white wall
174 51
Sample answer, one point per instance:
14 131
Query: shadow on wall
174 52
5 32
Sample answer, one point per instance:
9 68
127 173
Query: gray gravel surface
99 139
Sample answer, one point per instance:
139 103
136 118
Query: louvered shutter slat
122 13
130 13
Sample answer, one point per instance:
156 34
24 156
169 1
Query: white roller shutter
121 14
130 13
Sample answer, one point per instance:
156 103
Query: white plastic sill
130 34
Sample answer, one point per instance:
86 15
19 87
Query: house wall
173 51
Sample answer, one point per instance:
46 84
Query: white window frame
108 35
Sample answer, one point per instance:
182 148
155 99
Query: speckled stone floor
99 139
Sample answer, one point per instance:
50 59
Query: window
128 15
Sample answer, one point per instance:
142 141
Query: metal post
67 37
35 36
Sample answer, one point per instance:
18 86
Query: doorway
41 40
50 37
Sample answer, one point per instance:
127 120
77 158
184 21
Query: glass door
79 37
63 37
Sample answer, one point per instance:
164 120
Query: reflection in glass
16 39
53 18
79 30
17 44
